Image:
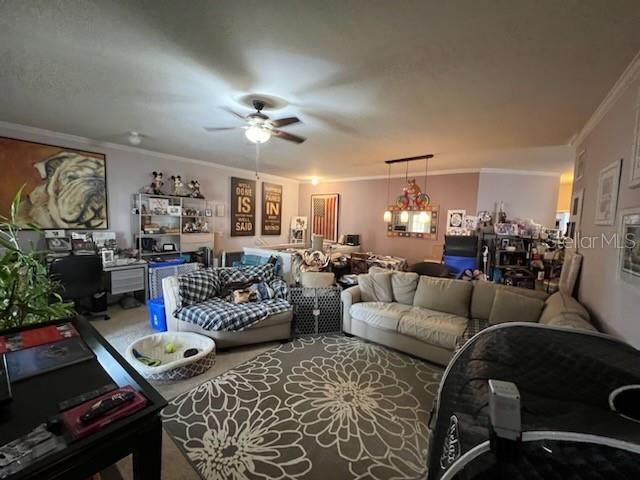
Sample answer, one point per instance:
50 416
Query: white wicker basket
174 366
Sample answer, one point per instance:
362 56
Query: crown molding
629 75
430 173
513 171
95 144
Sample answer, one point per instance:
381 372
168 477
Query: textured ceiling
371 80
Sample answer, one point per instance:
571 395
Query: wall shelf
150 212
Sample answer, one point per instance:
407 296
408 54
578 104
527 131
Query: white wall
613 302
525 195
128 169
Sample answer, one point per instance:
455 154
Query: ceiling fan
259 128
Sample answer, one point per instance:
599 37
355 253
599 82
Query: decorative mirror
413 222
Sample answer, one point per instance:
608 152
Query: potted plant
27 295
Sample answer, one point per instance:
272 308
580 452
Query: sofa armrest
349 297
171 294
571 320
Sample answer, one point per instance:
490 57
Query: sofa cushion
484 294
443 295
379 314
509 306
433 327
560 303
198 286
404 286
376 287
571 320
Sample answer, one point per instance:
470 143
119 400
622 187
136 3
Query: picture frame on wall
607 197
629 243
634 180
455 219
575 213
325 209
579 171
64 188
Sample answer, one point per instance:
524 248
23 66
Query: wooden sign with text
271 208
243 207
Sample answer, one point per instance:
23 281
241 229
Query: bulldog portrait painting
64 188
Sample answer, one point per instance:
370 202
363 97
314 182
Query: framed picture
454 222
271 209
579 171
607 198
629 244
324 215
159 206
575 214
174 210
470 223
64 188
107 257
243 207
634 180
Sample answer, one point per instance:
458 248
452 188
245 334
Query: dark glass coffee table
36 399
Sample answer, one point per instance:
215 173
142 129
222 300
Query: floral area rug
315 408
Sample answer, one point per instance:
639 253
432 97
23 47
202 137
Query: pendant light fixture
404 216
423 218
387 214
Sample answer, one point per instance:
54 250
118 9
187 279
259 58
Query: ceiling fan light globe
257 134
134 138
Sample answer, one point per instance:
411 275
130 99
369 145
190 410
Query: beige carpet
126 326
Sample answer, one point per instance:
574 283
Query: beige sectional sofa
427 317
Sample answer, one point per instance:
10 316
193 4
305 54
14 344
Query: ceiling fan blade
284 121
287 136
227 109
219 129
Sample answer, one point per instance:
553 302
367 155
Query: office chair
79 276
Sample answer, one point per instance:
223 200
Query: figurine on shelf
194 185
156 184
179 189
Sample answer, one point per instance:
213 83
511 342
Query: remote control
85 397
101 407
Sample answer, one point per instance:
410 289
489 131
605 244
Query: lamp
423 217
135 138
257 134
314 181
404 216
387 214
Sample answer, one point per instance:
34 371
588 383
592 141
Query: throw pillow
376 287
512 307
198 286
443 295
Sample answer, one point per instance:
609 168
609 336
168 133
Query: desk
36 399
127 278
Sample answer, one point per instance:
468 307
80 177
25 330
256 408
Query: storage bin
316 310
157 318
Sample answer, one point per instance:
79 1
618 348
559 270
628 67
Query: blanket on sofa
201 302
220 315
